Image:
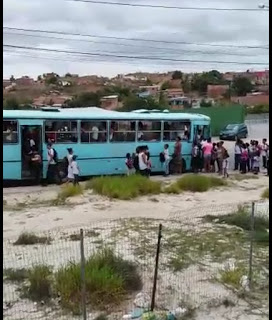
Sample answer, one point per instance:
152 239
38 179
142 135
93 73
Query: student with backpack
52 165
129 164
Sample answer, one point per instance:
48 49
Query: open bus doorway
31 143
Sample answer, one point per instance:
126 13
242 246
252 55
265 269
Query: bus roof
99 114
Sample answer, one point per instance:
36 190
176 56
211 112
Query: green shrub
108 279
265 194
199 183
69 191
233 277
28 238
125 187
40 283
172 189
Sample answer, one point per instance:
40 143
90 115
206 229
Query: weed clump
265 194
16 275
40 283
232 277
69 191
28 238
108 279
124 188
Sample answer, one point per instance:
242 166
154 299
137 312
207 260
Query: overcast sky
220 27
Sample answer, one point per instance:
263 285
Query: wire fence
206 258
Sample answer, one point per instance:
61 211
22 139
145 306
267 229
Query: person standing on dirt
52 166
237 155
177 158
143 162
36 166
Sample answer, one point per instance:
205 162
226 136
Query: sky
228 28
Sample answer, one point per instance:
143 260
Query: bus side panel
12 167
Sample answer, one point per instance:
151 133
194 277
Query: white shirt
50 155
74 167
264 150
32 143
95 131
142 165
237 149
166 154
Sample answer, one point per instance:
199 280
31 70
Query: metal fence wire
211 257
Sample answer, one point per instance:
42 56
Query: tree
12 79
186 84
165 85
205 104
68 75
51 80
201 81
242 86
148 82
177 75
11 104
135 103
83 100
39 78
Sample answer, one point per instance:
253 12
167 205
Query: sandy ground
31 209
90 208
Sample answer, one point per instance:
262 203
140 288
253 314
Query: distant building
51 99
173 93
24 81
179 103
252 99
109 102
152 90
217 91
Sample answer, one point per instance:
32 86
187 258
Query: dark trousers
264 161
144 172
53 175
243 166
237 162
195 164
36 170
76 179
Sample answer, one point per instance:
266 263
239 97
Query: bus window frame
144 141
186 121
18 132
94 120
59 120
122 120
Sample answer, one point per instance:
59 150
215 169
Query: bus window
202 132
149 131
93 131
10 132
122 131
174 129
61 131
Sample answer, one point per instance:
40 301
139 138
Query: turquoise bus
101 139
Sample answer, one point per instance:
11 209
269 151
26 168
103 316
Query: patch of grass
27 238
69 191
265 194
199 183
172 189
232 277
101 317
16 275
40 283
242 177
74 237
108 279
178 263
124 188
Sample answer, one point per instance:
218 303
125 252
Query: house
252 99
64 83
179 103
24 81
152 90
109 102
217 91
51 99
173 93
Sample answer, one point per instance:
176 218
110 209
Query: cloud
235 28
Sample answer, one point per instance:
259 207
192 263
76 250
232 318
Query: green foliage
51 80
134 103
11 104
172 189
165 85
201 81
177 75
233 277
258 109
40 283
85 99
242 86
265 194
124 188
28 238
108 279
70 191
205 104
199 183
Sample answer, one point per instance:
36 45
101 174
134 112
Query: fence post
156 268
83 283
252 217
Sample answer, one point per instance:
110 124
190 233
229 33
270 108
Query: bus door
31 148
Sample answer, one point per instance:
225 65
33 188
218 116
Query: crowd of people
207 156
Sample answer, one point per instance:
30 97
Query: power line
166 50
135 39
104 54
168 7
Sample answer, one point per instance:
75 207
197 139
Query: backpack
55 156
136 162
162 157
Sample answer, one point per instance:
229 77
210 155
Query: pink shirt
207 148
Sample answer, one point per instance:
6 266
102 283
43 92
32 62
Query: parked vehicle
234 131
